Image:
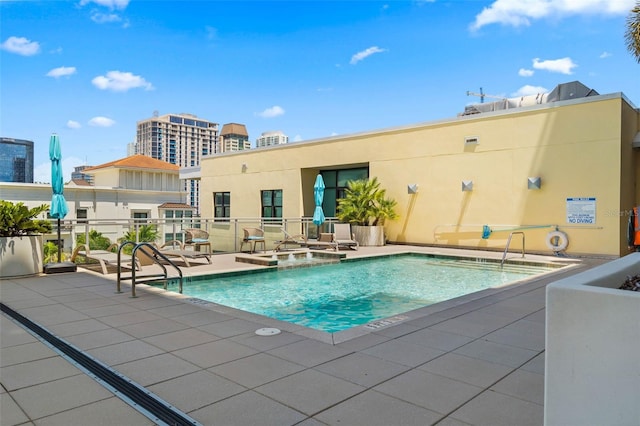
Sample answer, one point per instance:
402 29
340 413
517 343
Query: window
272 203
80 215
335 182
222 205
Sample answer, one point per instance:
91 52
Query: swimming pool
336 297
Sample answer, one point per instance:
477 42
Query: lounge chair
325 240
196 238
343 236
253 236
298 239
104 257
169 250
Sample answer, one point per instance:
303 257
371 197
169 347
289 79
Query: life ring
557 240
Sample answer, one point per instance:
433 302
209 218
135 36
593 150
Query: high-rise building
131 149
181 139
271 138
234 137
16 160
78 176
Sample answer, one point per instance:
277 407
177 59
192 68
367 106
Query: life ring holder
557 241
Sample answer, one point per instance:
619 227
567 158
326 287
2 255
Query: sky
89 70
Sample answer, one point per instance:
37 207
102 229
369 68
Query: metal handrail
506 249
156 253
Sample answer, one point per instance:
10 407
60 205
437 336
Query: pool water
336 297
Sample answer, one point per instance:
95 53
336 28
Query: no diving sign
581 210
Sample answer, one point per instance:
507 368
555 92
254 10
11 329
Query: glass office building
16 160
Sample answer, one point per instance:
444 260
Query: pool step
472 264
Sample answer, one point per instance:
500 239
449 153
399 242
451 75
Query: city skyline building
16 160
272 138
181 139
79 177
234 137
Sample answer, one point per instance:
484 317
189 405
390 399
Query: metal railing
506 249
153 255
225 235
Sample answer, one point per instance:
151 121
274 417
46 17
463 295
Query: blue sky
88 70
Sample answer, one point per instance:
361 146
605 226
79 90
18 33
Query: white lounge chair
169 250
343 236
105 258
298 239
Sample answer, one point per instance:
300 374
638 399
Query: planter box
20 256
592 373
369 235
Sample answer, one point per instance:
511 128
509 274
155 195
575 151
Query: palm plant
365 203
51 253
145 233
97 241
632 33
18 220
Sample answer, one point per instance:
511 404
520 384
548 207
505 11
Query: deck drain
267 331
385 322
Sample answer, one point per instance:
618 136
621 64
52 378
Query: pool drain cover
267 331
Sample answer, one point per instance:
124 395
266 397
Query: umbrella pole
59 247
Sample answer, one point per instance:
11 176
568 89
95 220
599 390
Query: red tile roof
137 161
176 206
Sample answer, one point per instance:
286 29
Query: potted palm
21 232
366 207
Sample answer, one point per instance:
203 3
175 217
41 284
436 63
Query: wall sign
581 210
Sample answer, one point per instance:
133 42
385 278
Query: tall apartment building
16 160
234 137
181 139
78 175
271 138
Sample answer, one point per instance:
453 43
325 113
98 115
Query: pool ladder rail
506 249
152 253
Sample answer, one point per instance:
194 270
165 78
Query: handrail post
506 249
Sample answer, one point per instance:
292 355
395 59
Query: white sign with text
581 210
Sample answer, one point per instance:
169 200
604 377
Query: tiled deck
478 363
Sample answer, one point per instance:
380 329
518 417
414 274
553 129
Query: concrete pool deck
480 362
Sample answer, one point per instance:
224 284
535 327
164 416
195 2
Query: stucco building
568 163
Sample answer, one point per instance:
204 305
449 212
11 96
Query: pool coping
561 265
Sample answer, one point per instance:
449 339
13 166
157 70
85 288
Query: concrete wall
592 373
580 148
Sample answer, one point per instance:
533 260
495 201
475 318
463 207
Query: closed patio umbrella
318 195
58 209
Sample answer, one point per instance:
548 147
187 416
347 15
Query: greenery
365 203
632 33
148 233
97 241
51 253
17 220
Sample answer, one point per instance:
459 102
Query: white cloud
21 46
101 122
120 82
365 53
61 72
42 172
71 124
525 72
529 90
297 138
105 18
604 55
521 12
563 65
111 4
274 111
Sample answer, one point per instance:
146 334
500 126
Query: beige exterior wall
580 148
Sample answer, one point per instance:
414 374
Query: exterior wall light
244 167
534 182
467 185
412 188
